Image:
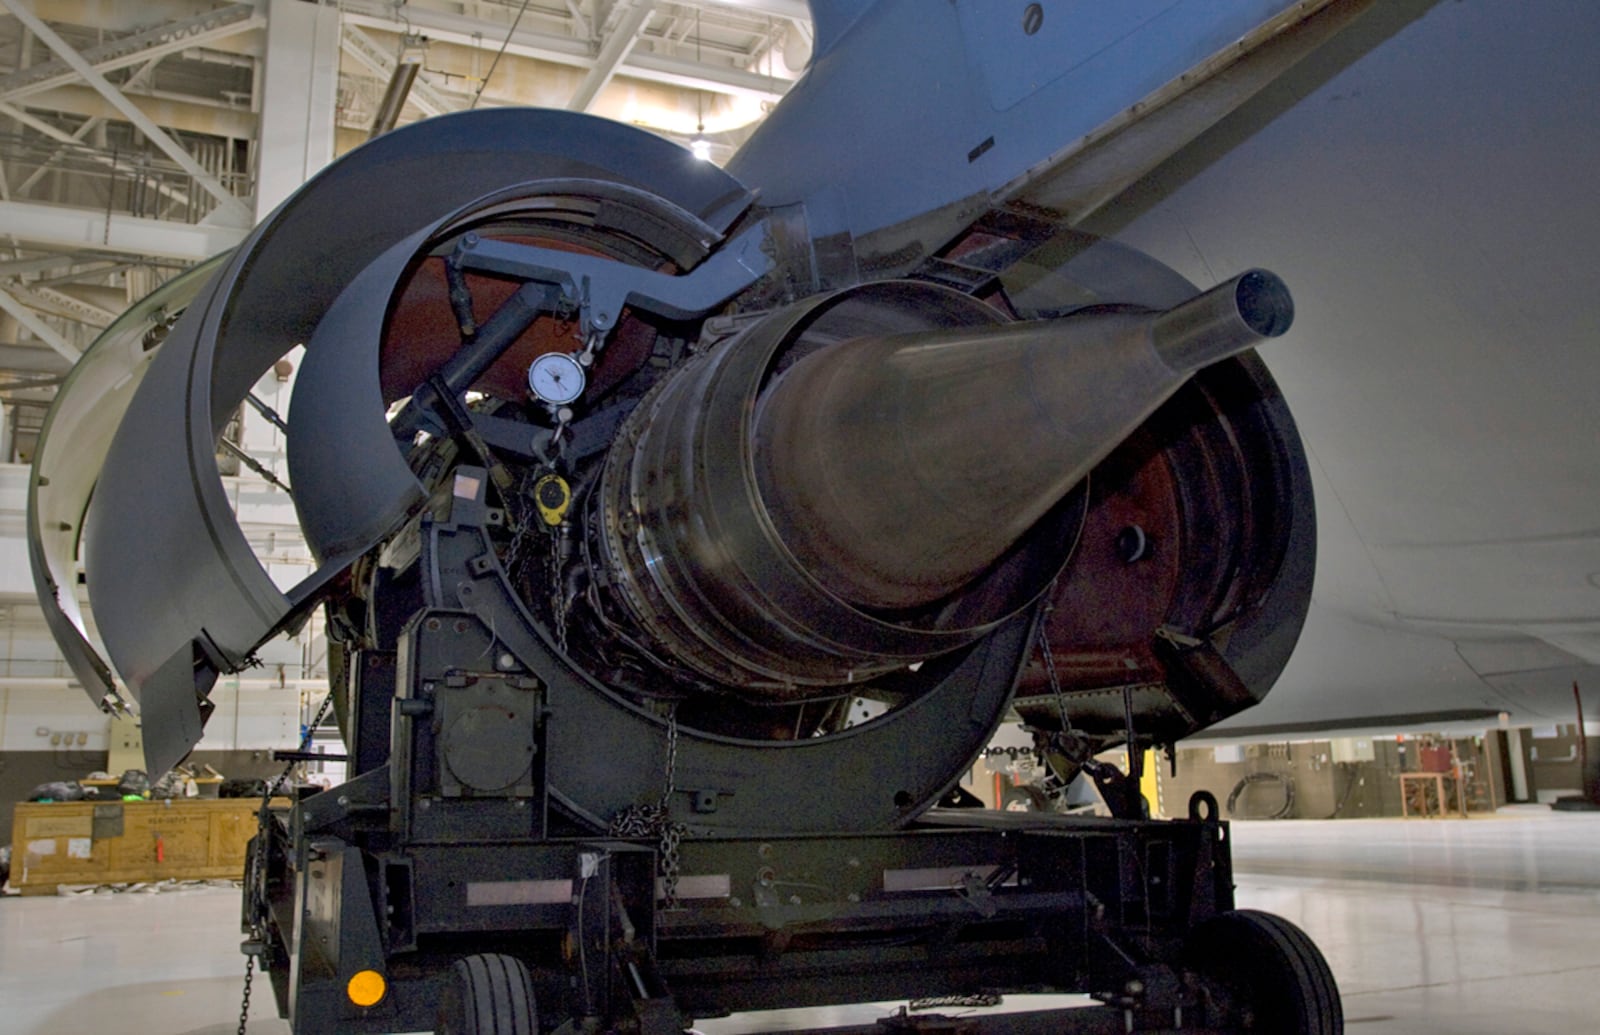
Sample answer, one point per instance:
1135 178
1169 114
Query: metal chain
671 833
259 870
519 521
672 756
558 597
1050 665
254 872
637 821
244 1006
1052 783
946 1001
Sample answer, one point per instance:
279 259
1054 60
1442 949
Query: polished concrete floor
1434 927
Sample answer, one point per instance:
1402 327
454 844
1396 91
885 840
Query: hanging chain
257 871
671 836
1052 783
672 757
637 821
558 594
244 1005
671 833
1050 665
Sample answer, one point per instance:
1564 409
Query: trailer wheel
488 994
1272 976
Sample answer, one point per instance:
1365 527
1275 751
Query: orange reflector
366 988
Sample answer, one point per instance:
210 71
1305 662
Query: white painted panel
253 718
59 719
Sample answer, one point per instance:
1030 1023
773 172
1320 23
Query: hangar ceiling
131 143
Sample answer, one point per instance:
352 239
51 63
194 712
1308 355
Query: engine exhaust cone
898 467
849 486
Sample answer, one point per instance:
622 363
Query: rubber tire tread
496 995
1288 980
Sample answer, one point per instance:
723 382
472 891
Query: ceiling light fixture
699 146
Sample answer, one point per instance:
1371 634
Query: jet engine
634 521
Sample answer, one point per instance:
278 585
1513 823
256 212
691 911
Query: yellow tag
553 496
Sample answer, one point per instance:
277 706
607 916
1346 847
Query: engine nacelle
716 515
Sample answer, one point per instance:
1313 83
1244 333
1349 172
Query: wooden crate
87 842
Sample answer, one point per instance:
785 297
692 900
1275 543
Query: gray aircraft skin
1424 182
1415 171
1432 201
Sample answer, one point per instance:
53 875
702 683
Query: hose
1288 794
1350 785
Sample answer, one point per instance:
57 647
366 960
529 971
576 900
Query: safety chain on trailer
672 757
259 858
1050 662
244 1004
671 833
946 1001
656 820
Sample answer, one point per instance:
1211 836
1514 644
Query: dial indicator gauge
556 378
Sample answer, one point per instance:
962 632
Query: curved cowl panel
72 447
160 527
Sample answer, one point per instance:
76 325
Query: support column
298 94
1517 765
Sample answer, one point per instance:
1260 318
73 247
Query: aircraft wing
1432 201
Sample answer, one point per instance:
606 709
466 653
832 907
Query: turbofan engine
656 541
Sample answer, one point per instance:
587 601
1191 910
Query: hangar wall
1328 783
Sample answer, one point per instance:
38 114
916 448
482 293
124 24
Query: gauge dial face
556 378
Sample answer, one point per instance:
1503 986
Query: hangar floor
1466 927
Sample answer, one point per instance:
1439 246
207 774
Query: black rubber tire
1274 974
488 994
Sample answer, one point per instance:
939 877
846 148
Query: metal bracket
1121 792
600 287
975 889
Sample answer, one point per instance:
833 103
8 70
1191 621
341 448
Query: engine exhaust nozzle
1211 326
861 481
898 467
